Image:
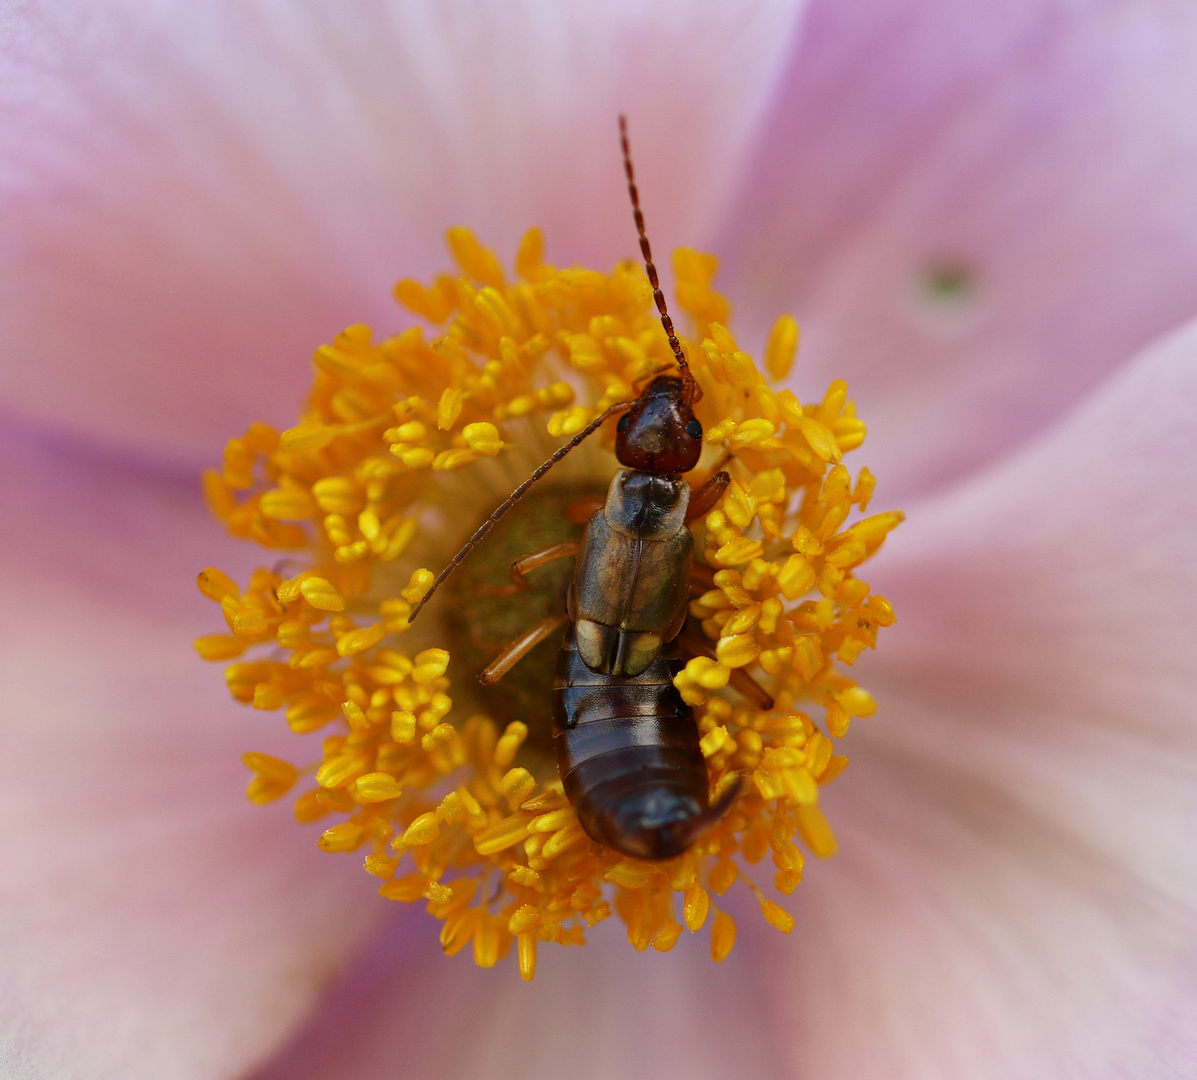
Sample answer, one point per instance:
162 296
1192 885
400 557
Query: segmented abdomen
628 754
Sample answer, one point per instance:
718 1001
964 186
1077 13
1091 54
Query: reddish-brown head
660 433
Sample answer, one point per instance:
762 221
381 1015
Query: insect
627 744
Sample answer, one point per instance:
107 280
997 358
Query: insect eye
624 420
694 428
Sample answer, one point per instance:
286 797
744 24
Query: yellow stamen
723 936
452 797
781 347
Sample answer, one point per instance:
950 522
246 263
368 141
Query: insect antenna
514 497
649 267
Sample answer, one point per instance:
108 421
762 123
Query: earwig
627 744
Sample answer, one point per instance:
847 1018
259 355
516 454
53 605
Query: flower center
450 788
484 613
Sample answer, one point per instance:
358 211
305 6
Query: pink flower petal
1016 893
976 213
154 922
590 1014
197 197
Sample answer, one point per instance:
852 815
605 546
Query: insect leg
516 650
703 501
695 642
702 579
525 564
751 689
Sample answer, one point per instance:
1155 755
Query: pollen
405 445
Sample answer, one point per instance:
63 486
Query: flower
487 838
982 219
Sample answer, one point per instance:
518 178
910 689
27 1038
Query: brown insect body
627 744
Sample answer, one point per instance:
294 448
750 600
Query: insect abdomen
628 754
